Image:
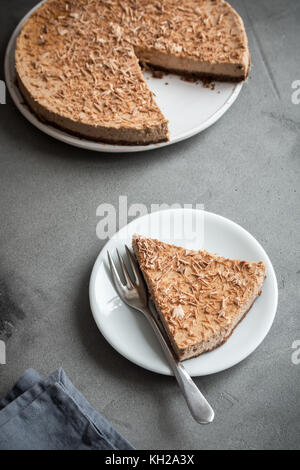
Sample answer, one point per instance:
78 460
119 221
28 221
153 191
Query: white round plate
189 107
129 332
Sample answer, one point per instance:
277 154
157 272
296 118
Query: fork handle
199 407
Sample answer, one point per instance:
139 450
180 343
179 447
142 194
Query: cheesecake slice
78 61
200 297
77 73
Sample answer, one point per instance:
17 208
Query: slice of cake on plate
200 297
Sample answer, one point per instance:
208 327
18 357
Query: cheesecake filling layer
189 66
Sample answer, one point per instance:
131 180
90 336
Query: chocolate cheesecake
78 61
200 297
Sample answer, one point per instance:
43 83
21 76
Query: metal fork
134 293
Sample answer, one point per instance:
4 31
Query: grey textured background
245 167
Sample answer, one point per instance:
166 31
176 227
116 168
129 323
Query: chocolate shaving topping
77 58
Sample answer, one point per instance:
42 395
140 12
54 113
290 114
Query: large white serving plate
189 107
129 332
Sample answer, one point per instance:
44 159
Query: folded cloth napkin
51 414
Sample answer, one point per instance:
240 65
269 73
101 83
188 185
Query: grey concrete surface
245 167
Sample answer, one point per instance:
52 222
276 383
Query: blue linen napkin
51 414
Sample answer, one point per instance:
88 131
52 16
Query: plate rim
83 143
230 363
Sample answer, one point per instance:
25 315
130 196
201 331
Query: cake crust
200 298
77 61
